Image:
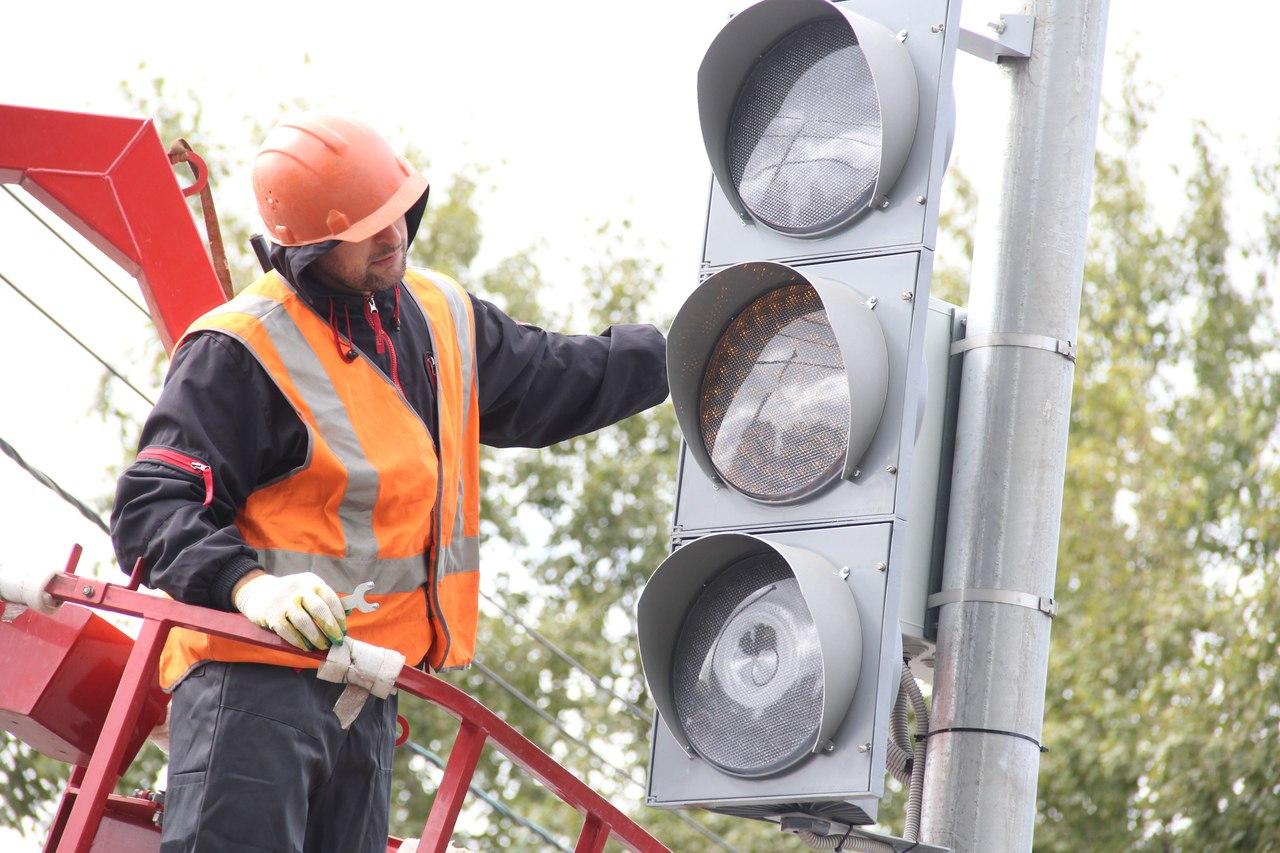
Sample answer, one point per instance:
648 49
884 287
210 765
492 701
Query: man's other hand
301 608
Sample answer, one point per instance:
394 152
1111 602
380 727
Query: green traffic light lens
805 133
774 407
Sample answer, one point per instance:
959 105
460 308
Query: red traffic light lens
774 406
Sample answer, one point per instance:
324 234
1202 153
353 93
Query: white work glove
301 608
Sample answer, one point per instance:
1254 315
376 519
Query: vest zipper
382 341
181 461
429 362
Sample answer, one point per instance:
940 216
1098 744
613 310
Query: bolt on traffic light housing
808 113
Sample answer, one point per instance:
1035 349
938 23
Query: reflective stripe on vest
334 515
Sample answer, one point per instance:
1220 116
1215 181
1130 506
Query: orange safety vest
374 501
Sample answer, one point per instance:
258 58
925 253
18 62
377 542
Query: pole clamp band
1066 349
982 731
1042 603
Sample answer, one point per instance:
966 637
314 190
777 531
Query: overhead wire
110 369
591 753
490 800
553 722
632 708
117 288
49 483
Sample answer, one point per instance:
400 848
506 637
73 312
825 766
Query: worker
319 431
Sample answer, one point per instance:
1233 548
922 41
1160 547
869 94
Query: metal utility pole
1011 441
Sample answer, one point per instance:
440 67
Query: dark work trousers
258 762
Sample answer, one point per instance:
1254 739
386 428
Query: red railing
81 813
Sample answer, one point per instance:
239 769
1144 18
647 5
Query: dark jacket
220 406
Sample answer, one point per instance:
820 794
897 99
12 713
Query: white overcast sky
581 112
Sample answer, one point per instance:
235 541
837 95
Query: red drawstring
349 353
346 312
395 312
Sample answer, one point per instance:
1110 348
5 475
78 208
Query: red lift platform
72 685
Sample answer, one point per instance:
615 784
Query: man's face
370 265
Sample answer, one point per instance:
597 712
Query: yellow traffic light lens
747 677
774 407
805 133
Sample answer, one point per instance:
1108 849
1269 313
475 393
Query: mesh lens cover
747 678
805 133
774 406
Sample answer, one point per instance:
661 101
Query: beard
371 281
375 281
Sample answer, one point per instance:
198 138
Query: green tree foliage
1162 711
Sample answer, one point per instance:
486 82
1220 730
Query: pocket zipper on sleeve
181 460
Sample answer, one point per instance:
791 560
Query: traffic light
812 381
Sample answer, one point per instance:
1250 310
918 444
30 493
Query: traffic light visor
808 112
752 651
779 380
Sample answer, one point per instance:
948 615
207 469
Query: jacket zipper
382 341
181 460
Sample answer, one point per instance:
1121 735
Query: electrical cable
49 483
80 255
492 801
117 374
631 707
552 721
617 771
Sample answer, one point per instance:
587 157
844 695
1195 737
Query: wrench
355 601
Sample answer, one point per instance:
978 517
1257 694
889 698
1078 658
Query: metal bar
511 689
515 746
1013 39
104 767
593 837
464 756
109 178
67 800
490 800
1011 440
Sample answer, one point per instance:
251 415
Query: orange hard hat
323 177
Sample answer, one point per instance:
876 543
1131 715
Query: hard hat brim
413 188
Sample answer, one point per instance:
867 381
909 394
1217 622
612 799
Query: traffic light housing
811 376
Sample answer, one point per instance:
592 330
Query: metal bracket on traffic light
1013 39
1042 603
1066 349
